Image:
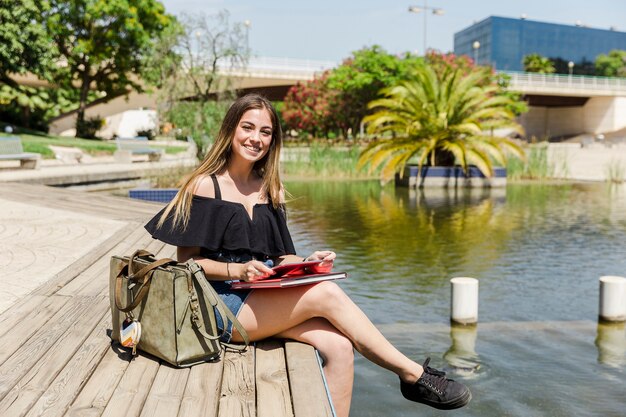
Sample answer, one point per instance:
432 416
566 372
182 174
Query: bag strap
143 274
217 302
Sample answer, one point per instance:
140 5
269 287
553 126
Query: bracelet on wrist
228 269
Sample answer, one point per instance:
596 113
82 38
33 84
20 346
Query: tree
311 107
25 46
210 46
103 43
442 118
538 63
611 65
194 81
359 79
24 49
440 62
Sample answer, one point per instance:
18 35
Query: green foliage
538 63
442 118
196 94
336 101
211 42
444 62
535 166
162 62
516 104
582 67
87 128
322 160
103 43
359 79
200 120
611 65
25 46
615 171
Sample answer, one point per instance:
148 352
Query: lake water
537 250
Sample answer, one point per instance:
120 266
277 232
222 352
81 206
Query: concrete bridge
566 105
560 105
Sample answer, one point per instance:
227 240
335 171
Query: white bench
11 149
67 154
127 147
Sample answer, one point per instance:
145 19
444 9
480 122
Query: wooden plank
27 388
168 251
109 210
272 386
306 382
98 390
130 395
63 390
202 393
32 350
21 321
237 396
64 199
94 281
167 392
57 282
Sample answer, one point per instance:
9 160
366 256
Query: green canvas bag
175 306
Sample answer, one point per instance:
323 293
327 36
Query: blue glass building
504 42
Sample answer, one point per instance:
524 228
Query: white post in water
612 298
464 300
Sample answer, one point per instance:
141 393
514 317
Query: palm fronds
432 114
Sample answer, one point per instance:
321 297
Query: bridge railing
528 80
282 67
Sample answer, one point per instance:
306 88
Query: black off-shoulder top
225 232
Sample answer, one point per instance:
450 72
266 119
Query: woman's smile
253 135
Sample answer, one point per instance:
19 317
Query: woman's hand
251 271
326 256
322 255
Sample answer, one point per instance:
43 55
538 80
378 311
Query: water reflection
538 251
611 344
462 356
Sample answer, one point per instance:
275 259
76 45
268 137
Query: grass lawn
34 141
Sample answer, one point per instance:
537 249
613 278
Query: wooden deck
56 357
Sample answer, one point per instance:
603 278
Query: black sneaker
435 390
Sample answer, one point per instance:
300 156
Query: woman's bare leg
271 312
338 355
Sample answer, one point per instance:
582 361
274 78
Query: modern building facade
503 42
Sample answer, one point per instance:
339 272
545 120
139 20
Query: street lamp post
476 45
418 9
570 67
247 24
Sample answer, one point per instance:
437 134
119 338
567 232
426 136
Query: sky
329 30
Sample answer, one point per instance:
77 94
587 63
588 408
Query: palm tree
538 63
442 120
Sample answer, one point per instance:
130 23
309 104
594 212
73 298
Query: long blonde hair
217 158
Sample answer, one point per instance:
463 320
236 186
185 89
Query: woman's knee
337 348
326 296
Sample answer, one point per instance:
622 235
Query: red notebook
297 268
288 281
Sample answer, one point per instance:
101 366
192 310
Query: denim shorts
234 300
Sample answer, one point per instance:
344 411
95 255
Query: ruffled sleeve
208 221
218 225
